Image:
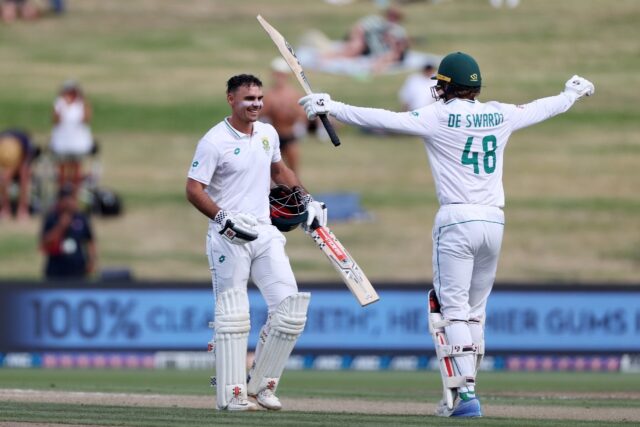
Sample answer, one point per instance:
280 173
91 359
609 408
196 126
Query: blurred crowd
29 10
66 237
378 36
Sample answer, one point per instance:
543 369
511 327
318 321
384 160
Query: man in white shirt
465 141
229 182
416 90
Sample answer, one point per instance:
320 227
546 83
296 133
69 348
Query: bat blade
287 52
345 265
289 55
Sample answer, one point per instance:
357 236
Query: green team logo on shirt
415 113
265 144
221 259
195 164
236 151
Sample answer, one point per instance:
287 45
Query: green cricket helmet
459 69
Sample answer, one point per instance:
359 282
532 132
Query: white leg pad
476 326
231 334
445 352
283 328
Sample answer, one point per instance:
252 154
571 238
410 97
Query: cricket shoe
267 399
461 409
240 404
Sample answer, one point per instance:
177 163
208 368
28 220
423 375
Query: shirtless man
281 109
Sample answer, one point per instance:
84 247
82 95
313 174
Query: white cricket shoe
267 399
238 404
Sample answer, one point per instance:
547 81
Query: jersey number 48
489 145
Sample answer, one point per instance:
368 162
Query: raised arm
410 123
544 108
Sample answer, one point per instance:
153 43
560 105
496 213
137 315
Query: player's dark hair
242 80
452 90
428 67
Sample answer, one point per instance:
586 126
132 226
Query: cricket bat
292 60
345 265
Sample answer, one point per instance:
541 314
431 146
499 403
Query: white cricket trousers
466 248
264 260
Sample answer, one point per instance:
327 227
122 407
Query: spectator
67 239
281 109
71 139
381 37
416 90
16 154
10 10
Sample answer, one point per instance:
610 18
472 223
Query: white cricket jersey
464 139
236 167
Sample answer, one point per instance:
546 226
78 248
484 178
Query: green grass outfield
154 417
592 391
155 72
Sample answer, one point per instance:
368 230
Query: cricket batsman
465 141
229 182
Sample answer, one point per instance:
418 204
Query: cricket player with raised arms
229 181
465 141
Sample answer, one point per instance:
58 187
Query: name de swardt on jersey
484 120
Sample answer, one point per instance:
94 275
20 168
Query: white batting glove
577 87
316 211
236 228
316 103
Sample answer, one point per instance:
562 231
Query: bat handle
314 225
330 130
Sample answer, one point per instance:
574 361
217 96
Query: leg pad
447 353
231 334
280 334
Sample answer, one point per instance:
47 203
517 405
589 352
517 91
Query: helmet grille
287 208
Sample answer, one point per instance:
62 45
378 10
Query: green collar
236 133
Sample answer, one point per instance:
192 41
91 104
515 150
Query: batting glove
316 213
236 228
577 87
316 103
